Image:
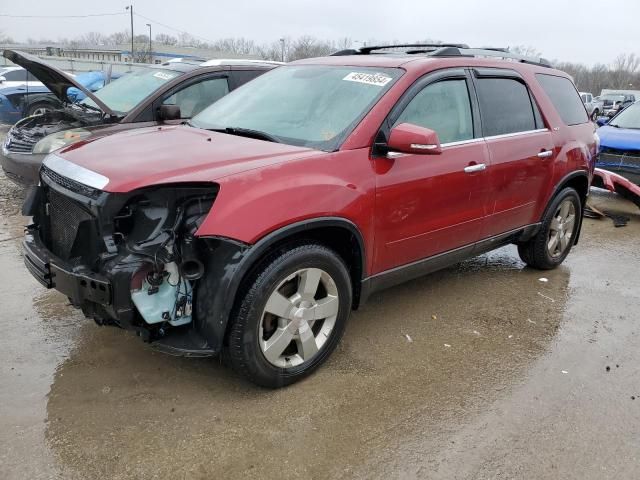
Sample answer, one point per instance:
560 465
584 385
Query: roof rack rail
506 54
418 48
446 50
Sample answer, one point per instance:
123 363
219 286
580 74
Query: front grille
17 144
65 218
621 158
69 184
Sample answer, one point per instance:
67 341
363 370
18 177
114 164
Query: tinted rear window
505 106
564 97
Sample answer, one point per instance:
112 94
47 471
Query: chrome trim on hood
75 172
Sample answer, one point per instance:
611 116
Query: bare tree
277 50
526 50
307 46
165 39
236 46
93 38
4 38
118 38
624 71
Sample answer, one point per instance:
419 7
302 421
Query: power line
63 16
173 28
110 15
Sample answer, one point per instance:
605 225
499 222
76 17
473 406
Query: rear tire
291 315
551 245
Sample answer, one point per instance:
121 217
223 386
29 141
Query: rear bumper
76 283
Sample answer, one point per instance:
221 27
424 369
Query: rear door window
444 107
506 107
565 98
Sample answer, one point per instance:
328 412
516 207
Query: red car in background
257 227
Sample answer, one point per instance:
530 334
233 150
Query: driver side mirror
409 138
169 112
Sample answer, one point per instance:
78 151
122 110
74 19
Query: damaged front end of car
127 259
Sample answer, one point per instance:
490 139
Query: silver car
591 104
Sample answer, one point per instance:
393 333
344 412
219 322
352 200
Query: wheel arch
337 233
579 181
340 234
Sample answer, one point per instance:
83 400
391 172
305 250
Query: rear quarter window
565 98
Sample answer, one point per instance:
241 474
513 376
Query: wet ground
480 371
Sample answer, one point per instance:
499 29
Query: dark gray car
161 93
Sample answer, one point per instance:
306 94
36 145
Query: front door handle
545 154
475 168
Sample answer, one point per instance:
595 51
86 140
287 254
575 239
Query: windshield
306 105
628 118
125 93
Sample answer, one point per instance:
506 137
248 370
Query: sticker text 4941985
377 79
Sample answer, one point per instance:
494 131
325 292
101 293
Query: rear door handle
545 154
475 168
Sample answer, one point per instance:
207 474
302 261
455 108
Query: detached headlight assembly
60 139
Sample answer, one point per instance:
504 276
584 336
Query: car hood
170 154
55 80
619 138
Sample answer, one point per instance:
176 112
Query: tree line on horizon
623 73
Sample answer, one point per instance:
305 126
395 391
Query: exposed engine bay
29 131
126 259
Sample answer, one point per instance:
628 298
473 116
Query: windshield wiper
614 125
88 107
247 132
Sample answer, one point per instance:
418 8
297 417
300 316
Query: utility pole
130 8
150 56
282 45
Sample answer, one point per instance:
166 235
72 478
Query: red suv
255 228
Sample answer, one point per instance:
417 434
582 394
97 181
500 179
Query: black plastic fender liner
227 263
216 290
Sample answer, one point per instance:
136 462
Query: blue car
620 143
20 102
92 81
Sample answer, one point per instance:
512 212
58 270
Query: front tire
39 108
291 315
551 245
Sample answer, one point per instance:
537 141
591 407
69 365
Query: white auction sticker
377 79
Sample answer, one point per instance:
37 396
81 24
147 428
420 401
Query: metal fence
78 65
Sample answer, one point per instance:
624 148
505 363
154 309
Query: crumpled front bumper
105 297
78 284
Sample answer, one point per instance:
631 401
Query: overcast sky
588 31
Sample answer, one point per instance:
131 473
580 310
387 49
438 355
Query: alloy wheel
41 111
298 318
561 228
